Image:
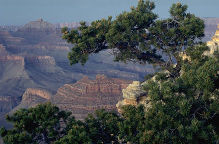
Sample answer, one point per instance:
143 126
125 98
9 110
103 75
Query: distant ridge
39 24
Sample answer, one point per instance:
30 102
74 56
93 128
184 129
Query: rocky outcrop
132 95
6 38
7 103
12 58
56 46
86 95
33 97
210 28
11 66
3 51
40 60
214 43
30 92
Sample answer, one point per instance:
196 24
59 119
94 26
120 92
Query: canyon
81 98
34 57
34 68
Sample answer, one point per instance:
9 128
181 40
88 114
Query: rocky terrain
81 98
210 27
35 56
214 43
32 97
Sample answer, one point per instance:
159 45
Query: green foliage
132 127
35 125
138 36
86 39
76 134
126 35
184 110
180 110
96 129
196 52
103 127
46 124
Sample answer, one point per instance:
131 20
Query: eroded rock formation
39 24
3 51
214 43
12 58
7 38
7 103
132 95
86 95
33 97
40 60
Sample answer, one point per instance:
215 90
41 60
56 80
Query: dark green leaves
36 125
138 36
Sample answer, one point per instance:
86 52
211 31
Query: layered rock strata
33 97
6 38
3 51
40 60
7 103
39 24
86 95
12 58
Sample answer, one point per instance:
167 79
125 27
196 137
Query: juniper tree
184 110
44 123
138 36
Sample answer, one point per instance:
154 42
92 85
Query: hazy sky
19 12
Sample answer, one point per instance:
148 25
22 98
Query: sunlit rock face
87 95
214 43
132 95
81 98
33 97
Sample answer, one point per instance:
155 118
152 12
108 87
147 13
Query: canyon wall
86 95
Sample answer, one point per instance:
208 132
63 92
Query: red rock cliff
86 96
33 97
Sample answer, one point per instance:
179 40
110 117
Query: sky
20 12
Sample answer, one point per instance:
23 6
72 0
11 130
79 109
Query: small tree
102 127
44 123
138 36
76 133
